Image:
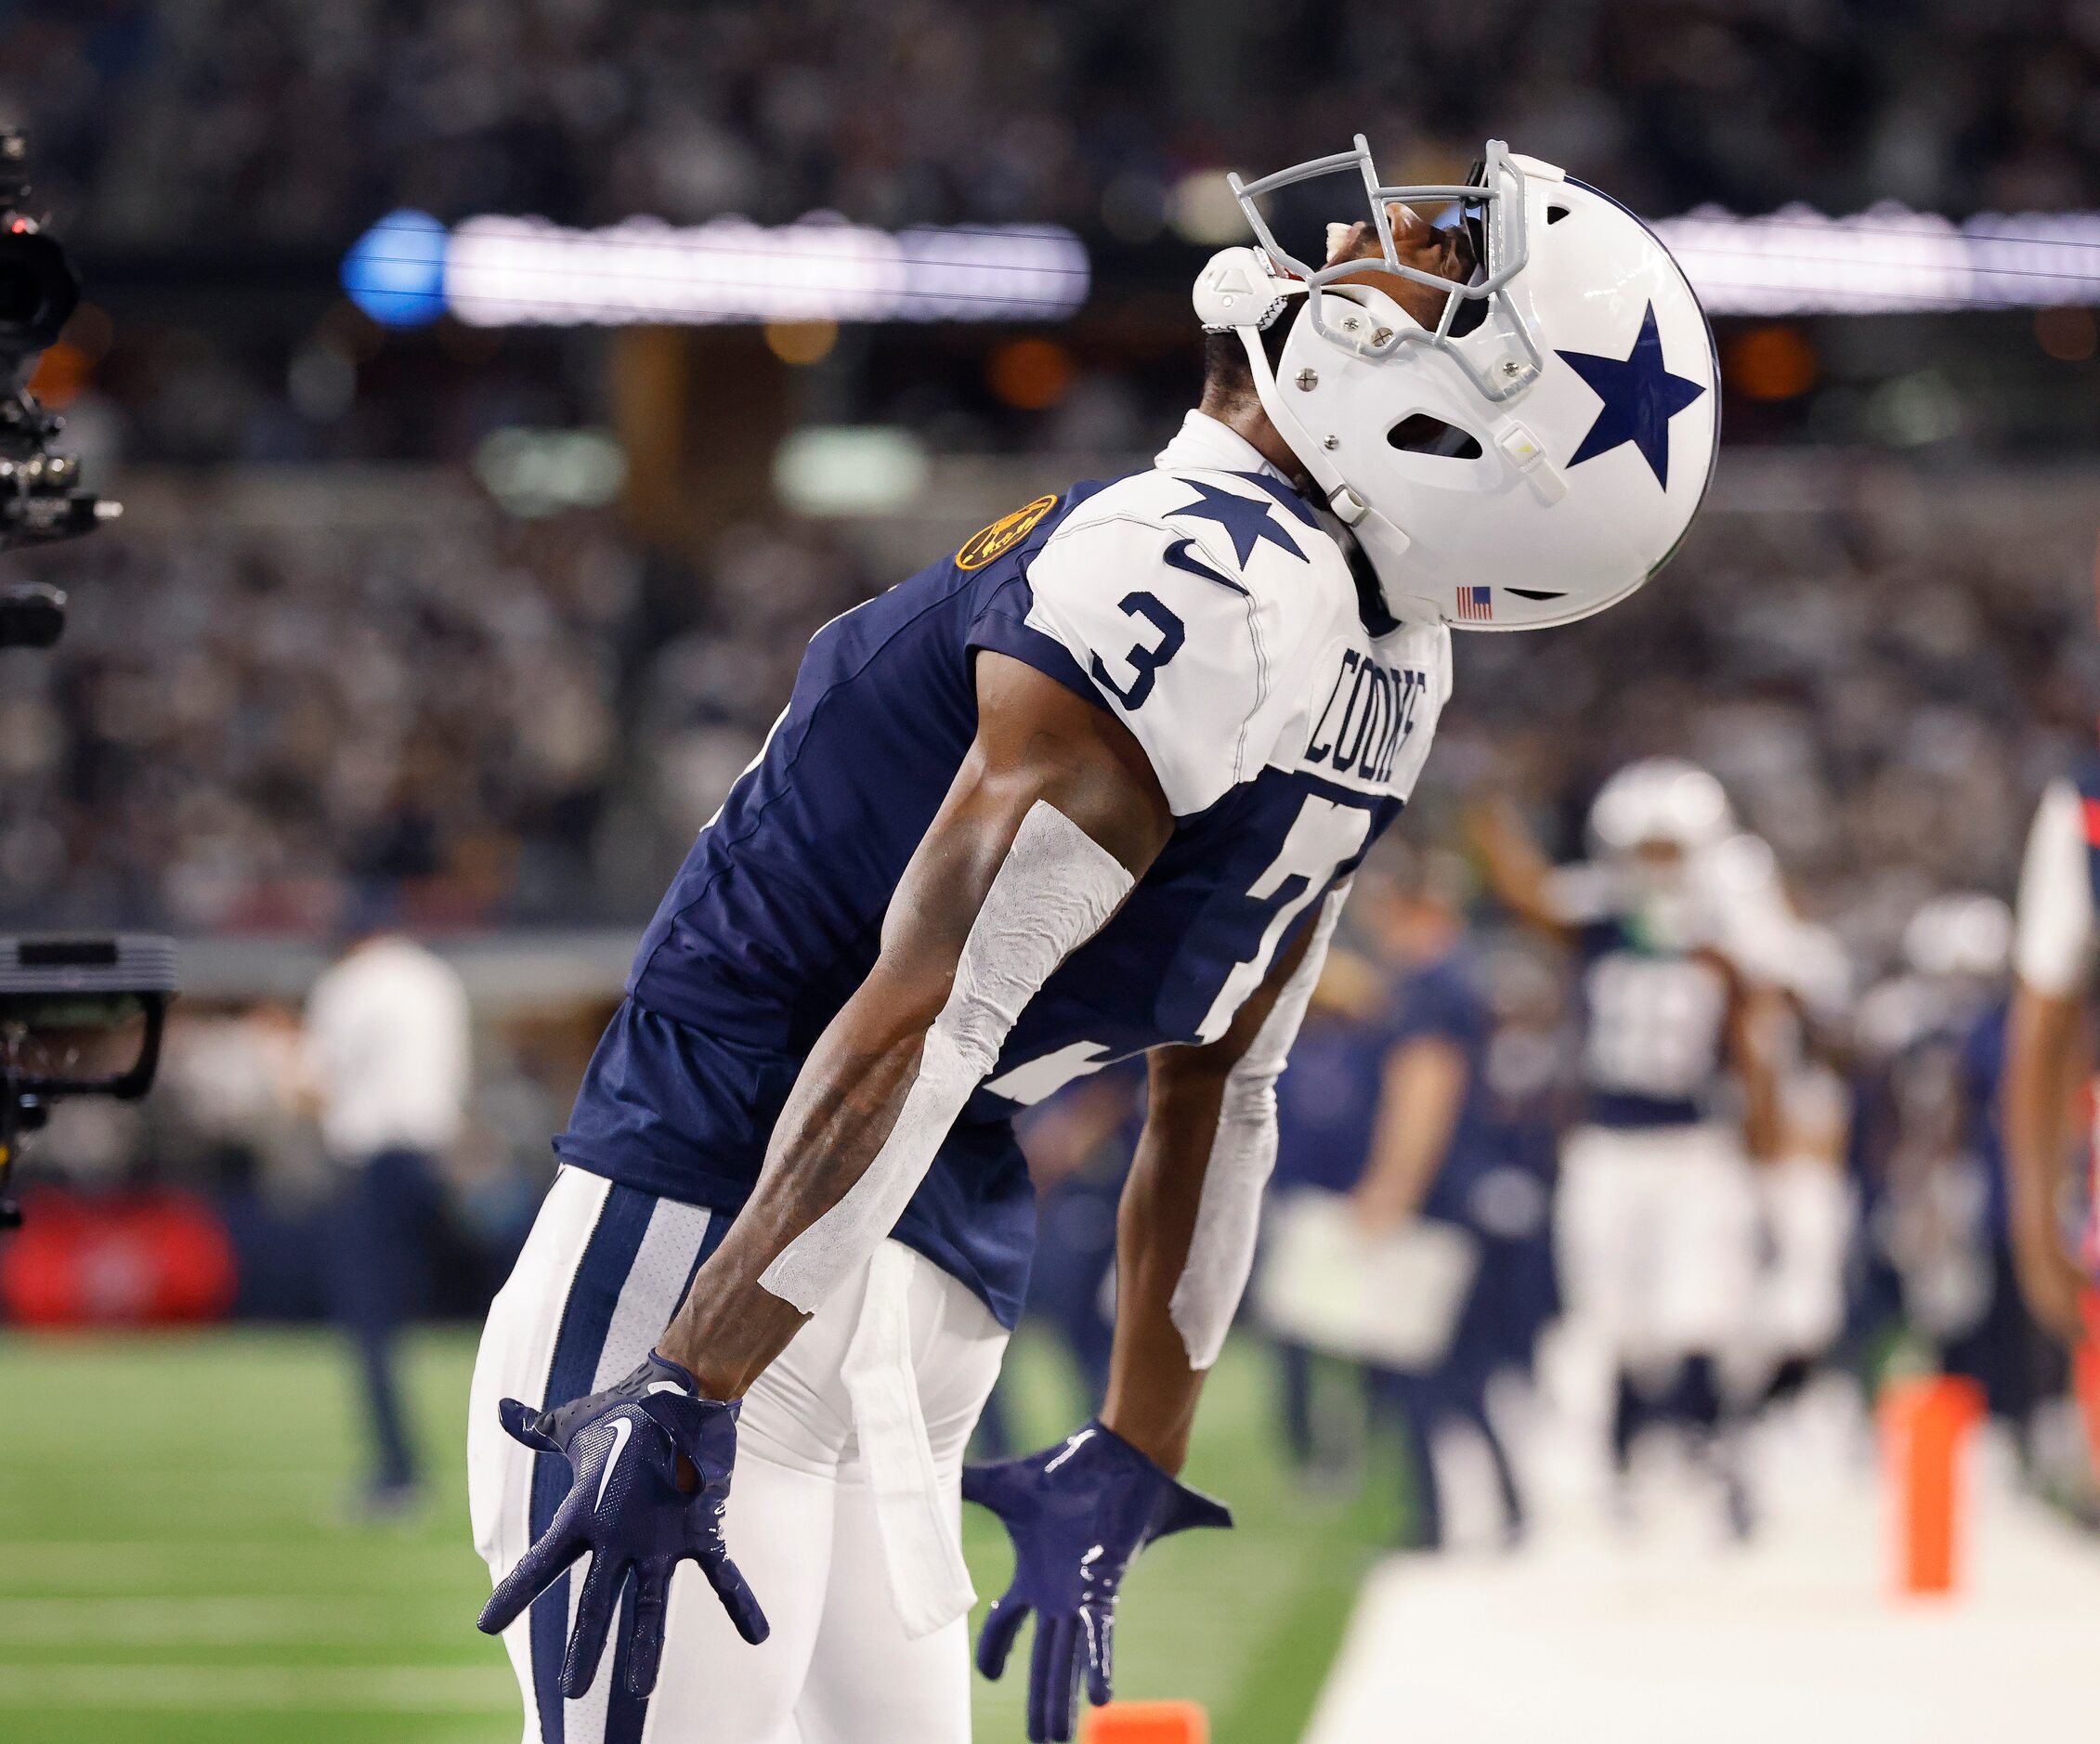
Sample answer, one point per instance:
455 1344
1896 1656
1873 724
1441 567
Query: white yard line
217 1621
251 1688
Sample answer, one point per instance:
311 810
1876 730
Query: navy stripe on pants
593 1297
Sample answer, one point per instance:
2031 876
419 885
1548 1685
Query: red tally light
20 225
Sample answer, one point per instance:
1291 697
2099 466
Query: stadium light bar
1886 260
512 271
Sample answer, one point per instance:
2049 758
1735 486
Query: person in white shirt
2047 1049
387 1054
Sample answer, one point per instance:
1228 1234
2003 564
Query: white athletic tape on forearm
1051 893
1242 1156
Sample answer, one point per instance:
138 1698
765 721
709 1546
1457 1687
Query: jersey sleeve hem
1009 636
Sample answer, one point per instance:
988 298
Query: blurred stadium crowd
284 125
527 721
238 151
279 696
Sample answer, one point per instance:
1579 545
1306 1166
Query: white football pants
601 1273
1656 1233
1810 1212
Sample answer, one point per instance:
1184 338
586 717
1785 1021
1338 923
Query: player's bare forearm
1755 1015
1036 741
1152 1388
1515 869
1422 1092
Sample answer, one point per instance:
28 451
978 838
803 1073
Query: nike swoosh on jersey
622 1429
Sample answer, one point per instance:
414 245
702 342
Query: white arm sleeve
2053 940
1242 1156
1172 648
1051 893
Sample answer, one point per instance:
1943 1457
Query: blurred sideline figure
2048 1052
1933 1045
388 1054
1419 1094
1657 1220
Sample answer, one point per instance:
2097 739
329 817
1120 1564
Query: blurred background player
388 1052
2048 1053
1657 1217
1933 1055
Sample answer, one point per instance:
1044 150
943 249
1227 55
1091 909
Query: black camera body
41 500
78 1017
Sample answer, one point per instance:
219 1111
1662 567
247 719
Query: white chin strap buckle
1524 451
1349 508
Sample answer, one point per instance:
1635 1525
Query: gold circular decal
1003 534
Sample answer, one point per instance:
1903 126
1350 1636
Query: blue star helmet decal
1640 397
1247 521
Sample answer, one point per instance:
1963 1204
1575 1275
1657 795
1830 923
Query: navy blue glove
1077 1512
650 1462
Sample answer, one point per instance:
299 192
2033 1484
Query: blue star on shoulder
1640 397
1247 521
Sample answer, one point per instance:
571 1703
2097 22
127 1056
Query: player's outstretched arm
1052 817
1516 871
1079 1512
1204 1105
1054 813
1756 1015
1421 1093
2047 1050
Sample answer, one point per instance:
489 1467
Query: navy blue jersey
1202 608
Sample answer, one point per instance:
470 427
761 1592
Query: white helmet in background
1960 934
1536 455
1660 800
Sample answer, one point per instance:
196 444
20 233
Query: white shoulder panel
2053 944
1185 624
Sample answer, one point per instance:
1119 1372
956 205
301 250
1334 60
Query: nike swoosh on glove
649 1461
1077 1512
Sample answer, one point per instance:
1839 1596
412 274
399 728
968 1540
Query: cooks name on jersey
1369 714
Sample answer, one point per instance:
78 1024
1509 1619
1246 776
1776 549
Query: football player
2048 1052
1089 787
1657 1217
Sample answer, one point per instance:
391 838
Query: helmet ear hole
1555 213
1422 434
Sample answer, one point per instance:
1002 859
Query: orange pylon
2085 1376
1147 1722
1925 1426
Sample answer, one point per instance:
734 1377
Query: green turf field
173 1570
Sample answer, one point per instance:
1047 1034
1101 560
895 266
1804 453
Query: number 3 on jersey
1142 661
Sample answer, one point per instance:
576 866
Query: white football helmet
1659 800
1536 455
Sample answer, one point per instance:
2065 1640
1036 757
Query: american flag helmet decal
1477 605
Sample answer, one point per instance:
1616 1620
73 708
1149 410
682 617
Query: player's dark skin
2046 1054
1037 740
